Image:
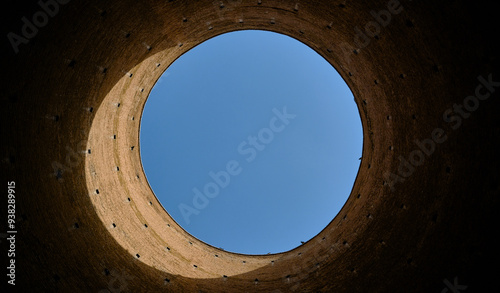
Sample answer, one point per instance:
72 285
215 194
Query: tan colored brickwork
74 98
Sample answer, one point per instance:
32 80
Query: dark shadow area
426 227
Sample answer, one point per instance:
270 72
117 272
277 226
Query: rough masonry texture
422 216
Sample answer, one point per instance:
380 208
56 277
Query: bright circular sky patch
251 141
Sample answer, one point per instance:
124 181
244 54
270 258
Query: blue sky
275 126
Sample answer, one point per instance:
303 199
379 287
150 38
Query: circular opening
251 141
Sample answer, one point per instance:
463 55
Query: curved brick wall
420 214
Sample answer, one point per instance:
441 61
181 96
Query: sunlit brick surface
74 95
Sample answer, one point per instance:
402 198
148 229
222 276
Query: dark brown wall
60 96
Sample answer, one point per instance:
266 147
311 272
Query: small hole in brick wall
436 67
59 173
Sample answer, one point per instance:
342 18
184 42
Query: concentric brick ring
93 66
